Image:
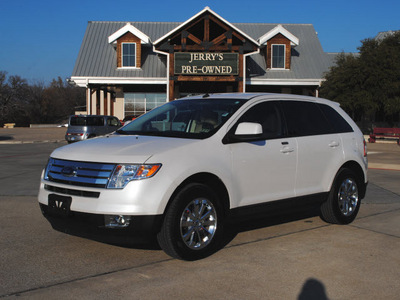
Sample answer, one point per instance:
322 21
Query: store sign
200 63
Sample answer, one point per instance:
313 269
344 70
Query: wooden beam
186 28
178 48
206 29
184 35
218 39
171 82
240 37
207 78
241 74
194 39
215 20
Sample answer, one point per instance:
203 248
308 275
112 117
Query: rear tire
193 224
343 202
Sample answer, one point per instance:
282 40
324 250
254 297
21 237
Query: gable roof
132 29
308 60
205 10
294 41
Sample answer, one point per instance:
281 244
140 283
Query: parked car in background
128 119
82 127
188 169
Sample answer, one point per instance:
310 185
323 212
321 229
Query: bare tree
24 104
13 98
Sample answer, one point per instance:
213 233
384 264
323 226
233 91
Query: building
130 68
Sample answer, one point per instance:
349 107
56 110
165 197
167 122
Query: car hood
120 148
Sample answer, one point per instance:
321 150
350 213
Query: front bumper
94 226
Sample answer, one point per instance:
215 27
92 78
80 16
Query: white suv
185 169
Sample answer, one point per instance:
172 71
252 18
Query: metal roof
97 58
308 60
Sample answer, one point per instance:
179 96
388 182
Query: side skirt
284 207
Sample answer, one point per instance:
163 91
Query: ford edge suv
184 170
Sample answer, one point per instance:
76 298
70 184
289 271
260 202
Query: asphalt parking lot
297 258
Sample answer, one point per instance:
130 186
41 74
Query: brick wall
279 39
129 38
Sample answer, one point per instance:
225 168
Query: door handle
287 149
334 144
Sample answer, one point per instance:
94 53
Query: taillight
365 148
80 134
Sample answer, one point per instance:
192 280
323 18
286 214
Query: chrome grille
78 173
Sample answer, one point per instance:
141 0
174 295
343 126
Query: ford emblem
69 171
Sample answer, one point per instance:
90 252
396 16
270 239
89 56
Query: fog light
116 221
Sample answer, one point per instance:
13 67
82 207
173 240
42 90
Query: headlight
123 174
48 166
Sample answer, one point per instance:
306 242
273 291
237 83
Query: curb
29 142
377 166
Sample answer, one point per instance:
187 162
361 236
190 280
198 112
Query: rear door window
337 122
305 119
77 121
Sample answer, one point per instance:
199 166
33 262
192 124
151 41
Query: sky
40 40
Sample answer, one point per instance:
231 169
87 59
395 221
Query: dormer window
278 57
278 44
128 42
128 55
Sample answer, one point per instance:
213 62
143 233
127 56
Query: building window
278 56
128 55
137 104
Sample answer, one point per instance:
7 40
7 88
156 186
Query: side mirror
247 128
245 132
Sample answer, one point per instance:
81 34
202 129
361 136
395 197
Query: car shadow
148 240
115 237
264 220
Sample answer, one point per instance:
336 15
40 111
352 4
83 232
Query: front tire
343 202
193 224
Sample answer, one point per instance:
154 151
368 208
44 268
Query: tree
39 104
26 104
64 98
13 98
367 85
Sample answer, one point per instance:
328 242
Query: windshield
191 118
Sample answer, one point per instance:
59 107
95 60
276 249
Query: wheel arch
358 171
209 179
170 236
